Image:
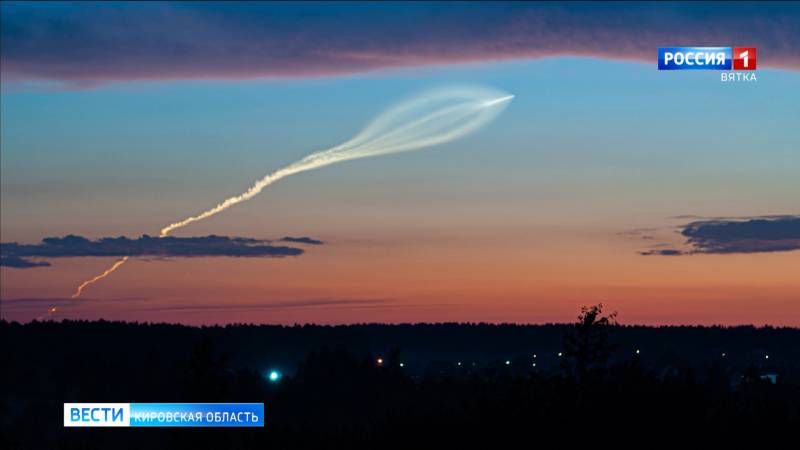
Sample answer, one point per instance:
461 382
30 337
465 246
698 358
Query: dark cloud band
753 235
301 240
98 42
20 263
15 255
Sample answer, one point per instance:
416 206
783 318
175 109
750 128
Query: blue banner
694 58
163 414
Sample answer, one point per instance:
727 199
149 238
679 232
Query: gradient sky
599 157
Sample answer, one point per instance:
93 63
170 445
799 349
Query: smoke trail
433 118
97 278
443 117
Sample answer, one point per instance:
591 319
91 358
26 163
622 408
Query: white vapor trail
90 281
432 118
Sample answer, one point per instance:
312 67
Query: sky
670 197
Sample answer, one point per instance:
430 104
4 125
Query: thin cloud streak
31 307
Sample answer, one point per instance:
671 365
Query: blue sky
578 126
599 158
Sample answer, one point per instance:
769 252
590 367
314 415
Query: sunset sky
119 119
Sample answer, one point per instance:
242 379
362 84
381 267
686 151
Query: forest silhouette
369 386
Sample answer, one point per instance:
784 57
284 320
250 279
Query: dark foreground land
471 385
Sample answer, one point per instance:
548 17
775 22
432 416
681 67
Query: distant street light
274 376
379 361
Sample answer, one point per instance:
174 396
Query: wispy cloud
35 303
280 305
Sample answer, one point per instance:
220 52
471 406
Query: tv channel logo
97 414
744 58
706 58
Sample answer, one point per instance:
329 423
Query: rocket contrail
443 116
433 118
97 278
